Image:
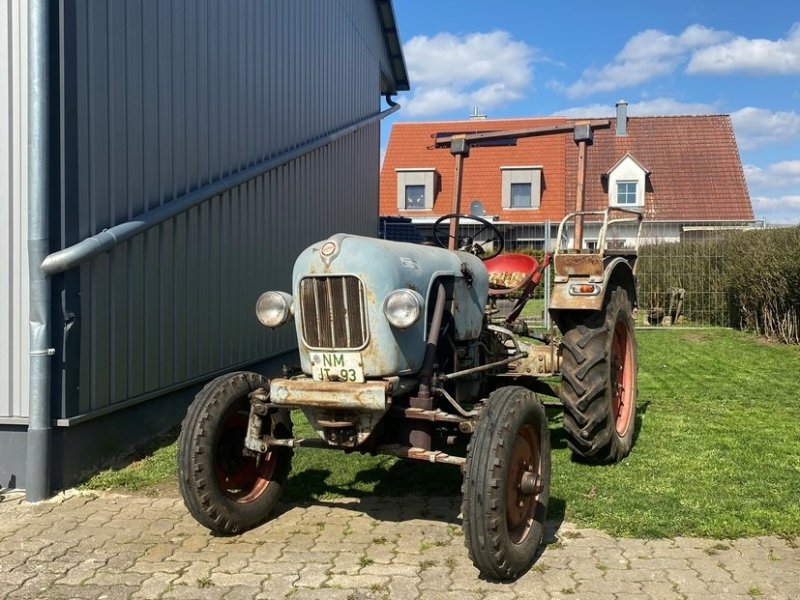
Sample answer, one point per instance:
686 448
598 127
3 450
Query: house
514 183
163 163
682 173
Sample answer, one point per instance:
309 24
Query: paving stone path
111 546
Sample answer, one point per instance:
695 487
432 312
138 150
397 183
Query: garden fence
681 268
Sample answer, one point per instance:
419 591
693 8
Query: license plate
337 366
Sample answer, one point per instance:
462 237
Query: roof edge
394 48
634 159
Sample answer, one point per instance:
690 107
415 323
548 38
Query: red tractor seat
510 272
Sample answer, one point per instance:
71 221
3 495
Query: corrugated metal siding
364 15
13 209
161 98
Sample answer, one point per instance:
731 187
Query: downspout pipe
106 240
38 438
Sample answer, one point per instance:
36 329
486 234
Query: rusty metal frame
539 361
409 452
460 144
307 393
607 221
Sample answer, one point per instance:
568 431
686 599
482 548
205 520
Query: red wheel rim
521 504
622 382
241 478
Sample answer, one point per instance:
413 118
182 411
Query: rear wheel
224 488
507 484
598 387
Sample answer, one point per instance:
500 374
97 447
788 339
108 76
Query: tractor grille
333 312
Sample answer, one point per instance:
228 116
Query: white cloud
753 56
646 55
784 174
777 209
757 127
449 72
775 191
646 108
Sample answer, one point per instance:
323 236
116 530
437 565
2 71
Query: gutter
38 438
106 240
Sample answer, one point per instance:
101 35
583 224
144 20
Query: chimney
622 118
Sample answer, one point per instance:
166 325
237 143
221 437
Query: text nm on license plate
337 366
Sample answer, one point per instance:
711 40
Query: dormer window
522 187
415 197
626 193
626 183
520 195
415 188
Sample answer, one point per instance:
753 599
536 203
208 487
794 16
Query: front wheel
507 484
224 488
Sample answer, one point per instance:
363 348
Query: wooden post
580 195
459 149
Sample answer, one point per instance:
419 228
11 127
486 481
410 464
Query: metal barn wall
162 97
13 212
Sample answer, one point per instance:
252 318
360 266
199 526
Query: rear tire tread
585 385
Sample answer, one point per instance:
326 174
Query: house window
416 188
415 197
627 183
626 193
520 195
522 187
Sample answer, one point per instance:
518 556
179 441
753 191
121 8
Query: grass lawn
717 453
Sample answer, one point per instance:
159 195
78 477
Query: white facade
626 183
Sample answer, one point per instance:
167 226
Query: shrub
746 279
762 278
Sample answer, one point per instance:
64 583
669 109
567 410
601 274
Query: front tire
224 489
598 385
507 484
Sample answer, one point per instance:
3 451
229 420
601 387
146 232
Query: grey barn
162 162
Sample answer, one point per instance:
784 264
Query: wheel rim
523 484
241 478
622 372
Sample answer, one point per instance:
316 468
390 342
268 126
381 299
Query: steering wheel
468 244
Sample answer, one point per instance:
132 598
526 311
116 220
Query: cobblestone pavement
112 546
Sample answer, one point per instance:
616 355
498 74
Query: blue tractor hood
382 267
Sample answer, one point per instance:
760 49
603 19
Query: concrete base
81 450
13 448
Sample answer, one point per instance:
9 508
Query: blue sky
515 58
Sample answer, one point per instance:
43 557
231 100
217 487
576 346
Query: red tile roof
411 145
695 169
694 165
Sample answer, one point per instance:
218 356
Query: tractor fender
565 298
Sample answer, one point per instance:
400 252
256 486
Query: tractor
402 353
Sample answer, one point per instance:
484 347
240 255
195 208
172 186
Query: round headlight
273 309
402 308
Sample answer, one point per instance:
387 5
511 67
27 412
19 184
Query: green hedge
745 279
